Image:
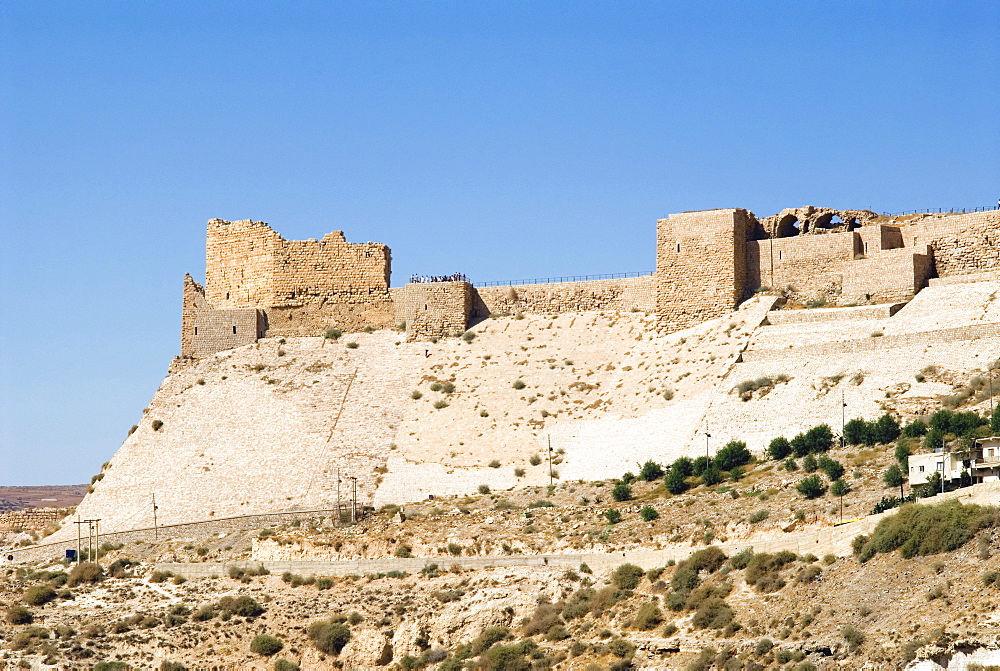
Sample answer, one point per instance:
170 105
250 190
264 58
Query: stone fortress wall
260 285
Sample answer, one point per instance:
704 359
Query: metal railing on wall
565 278
943 210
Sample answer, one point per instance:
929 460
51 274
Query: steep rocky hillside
266 427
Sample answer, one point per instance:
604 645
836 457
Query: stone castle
262 415
257 284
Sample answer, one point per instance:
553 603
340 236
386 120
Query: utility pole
354 500
339 514
97 539
79 549
989 370
843 423
156 531
707 436
549 436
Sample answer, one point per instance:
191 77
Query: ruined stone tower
700 266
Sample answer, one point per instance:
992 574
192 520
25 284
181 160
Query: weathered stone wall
876 344
808 263
890 275
433 308
30 518
700 266
962 243
633 293
305 286
217 330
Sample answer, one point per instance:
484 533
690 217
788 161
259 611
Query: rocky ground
827 612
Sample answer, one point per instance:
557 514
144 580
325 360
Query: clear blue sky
500 139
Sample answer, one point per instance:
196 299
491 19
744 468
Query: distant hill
42 496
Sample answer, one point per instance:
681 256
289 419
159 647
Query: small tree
651 471
648 513
779 448
833 468
811 487
613 515
856 432
995 421
675 482
734 454
809 464
265 644
711 476
621 492
839 488
894 478
903 454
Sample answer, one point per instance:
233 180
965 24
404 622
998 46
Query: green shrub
808 574
713 613
541 503
741 559
333 334
649 616
157 424
711 476
759 516
285 665
518 384
204 613
244 606
404 551
675 481
483 489
352 345
38 595
626 576
854 637
469 336
416 395
926 529
840 488
651 471
648 513
734 454
811 487
495 463
505 657
546 616
19 615
613 515
440 404
265 644
489 637
621 648
779 448
810 464
834 469
621 492
329 636
534 460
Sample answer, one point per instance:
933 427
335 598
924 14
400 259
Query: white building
982 463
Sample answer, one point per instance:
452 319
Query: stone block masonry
259 284
700 266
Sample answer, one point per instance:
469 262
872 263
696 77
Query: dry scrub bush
926 529
329 636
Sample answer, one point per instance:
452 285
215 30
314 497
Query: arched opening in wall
829 221
853 223
788 226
